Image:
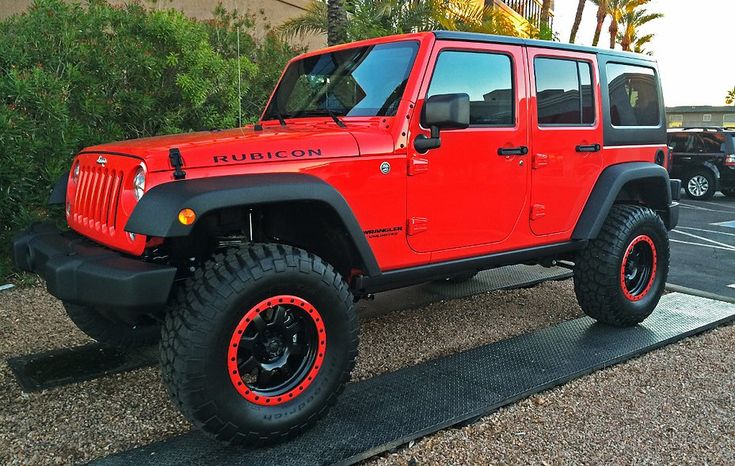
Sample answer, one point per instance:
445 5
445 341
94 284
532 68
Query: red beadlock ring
638 239
232 354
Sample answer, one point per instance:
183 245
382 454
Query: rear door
566 137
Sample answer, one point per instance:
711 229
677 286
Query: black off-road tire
111 332
197 333
701 175
601 292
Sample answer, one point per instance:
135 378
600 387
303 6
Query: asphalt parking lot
703 246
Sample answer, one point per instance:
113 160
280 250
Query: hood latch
174 156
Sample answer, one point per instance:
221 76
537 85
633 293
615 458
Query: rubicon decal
269 155
381 232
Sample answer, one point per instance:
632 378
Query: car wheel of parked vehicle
620 276
259 343
700 185
111 332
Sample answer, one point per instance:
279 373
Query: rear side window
714 143
633 95
564 92
486 77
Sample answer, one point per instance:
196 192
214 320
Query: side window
633 95
713 143
486 77
564 92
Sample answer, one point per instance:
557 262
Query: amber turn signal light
187 216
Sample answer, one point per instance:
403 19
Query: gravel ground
675 405
660 416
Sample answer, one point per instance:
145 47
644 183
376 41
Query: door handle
523 150
589 148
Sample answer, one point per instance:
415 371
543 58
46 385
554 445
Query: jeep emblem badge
101 160
385 168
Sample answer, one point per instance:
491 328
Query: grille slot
96 199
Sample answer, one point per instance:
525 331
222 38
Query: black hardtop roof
495 39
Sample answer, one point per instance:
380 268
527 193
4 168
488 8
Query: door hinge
538 211
540 160
417 225
417 165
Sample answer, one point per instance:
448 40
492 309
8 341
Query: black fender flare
156 214
608 186
58 194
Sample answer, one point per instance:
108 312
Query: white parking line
695 207
731 285
711 246
717 205
702 238
706 231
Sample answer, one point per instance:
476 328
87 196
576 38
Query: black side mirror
443 111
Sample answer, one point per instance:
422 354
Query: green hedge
72 76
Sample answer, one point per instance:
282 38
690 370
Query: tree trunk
545 13
337 22
601 15
577 21
613 32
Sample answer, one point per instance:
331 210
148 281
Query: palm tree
545 14
336 22
632 20
577 21
601 15
730 99
639 43
372 18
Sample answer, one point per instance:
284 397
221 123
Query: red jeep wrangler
376 165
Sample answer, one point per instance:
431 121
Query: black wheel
700 184
112 332
259 343
620 276
457 279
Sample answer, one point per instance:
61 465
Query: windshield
361 81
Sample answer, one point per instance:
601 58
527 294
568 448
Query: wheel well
310 225
650 192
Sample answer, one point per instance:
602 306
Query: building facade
698 116
269 13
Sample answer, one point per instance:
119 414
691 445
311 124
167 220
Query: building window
564 92
486 77
707 117
728 120
633 95
676 121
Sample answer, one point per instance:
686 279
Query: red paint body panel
461 200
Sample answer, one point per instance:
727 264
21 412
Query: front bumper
79 271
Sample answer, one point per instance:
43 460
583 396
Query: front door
471 190
566 137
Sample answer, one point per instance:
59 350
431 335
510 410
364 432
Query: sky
692 44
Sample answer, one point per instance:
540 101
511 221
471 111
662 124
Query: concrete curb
700 293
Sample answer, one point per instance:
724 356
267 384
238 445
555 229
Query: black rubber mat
384 412
71 365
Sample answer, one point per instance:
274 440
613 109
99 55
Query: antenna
239 72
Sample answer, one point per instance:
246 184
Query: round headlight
75 172
139 183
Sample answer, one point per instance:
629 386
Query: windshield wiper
336 119
280 119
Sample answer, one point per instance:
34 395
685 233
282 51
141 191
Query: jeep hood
247 146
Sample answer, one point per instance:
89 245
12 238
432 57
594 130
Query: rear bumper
81 272
673 210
